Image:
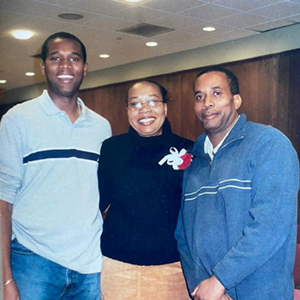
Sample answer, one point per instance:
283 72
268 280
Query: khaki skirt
123 281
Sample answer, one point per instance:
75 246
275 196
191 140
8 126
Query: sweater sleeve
192 271
104 173
275 184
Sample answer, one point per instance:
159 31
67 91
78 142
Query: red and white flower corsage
178 160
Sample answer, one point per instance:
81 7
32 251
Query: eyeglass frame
132 105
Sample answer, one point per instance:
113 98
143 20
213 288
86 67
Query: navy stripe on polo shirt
61 153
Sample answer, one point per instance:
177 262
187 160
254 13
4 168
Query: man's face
147 121
64 68
215 106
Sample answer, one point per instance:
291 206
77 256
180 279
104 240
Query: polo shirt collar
50 108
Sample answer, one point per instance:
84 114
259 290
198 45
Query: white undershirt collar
208 147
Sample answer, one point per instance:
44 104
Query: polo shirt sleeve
11 158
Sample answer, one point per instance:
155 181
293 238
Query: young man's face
64 67
215 106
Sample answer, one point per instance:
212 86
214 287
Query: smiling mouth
146 121
65 76
208 116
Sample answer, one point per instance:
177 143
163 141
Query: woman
140 199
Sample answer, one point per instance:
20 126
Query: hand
10 292
210 289
226 297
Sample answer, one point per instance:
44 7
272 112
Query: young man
237 225
50 220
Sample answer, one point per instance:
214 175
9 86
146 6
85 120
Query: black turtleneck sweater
144 197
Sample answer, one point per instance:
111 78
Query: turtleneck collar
166 131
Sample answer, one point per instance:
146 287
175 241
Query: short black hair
162 89
62 35
231 77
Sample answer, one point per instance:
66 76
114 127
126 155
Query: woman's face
145 117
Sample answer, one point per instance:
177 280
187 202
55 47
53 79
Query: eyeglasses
137 105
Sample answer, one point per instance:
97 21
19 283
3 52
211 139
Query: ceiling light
30 74
71 16
22 34
151 44
104 55
2 81
133 1
208 28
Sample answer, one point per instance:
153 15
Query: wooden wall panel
293 99
293 117
258 79
269 87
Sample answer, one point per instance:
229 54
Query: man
48 184
237 224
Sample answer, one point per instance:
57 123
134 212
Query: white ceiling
233 19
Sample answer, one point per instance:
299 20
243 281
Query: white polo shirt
48 170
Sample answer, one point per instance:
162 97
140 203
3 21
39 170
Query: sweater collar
237 131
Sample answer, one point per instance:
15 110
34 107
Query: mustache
207 113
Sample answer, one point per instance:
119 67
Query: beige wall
258 45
